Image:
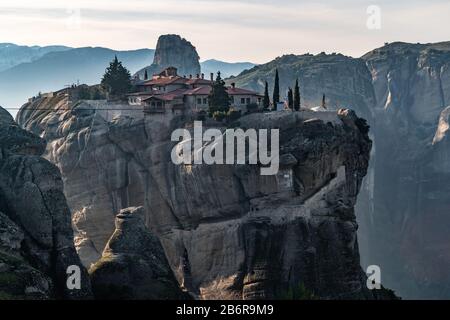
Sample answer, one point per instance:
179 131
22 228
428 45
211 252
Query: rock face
227 231
36 238
402 90
174 51
345 81
408 192
133 264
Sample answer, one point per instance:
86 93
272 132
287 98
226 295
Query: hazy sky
240 30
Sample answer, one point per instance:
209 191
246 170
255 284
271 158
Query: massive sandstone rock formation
402 90
174 51
345 81
227 231
409 187
36 238
133 265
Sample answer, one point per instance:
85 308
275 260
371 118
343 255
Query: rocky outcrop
174 51
345 81
18 279
227 231
36 238
133 265
402 90
406 197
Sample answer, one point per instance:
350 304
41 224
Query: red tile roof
199 81
179 93
153 97
200 91
203 89
163 81
238 91
206 90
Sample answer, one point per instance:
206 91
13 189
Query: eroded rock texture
402 90
227 231
174 51
133 264
407 195
345 81
36 238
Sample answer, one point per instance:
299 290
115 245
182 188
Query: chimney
233 85
203 76
212 77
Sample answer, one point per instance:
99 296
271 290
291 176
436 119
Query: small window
199 101
242 100
205 101
159 104
248 101
153 104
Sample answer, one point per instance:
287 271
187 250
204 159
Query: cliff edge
227 231
36 237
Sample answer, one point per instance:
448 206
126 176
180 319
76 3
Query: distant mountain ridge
227 69
12 54
57 69
403 91
28 70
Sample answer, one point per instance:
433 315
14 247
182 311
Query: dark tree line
294 99
117 79
297 102
219 100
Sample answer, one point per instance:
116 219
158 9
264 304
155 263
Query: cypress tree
324 104
297 102
145 75
219 100
290 99
117 78
266 101
276 90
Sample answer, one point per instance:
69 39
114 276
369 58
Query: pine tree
297 102
324 104
117 79
290 99
219 100
266 101
276 90
145 75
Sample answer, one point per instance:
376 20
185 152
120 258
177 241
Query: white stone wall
238 104
110 110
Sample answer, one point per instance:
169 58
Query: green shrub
299 292
201 116
252 107
233 115
219 115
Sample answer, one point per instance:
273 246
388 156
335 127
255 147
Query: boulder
133 265
36 237
174 51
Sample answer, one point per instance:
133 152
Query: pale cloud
230 30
